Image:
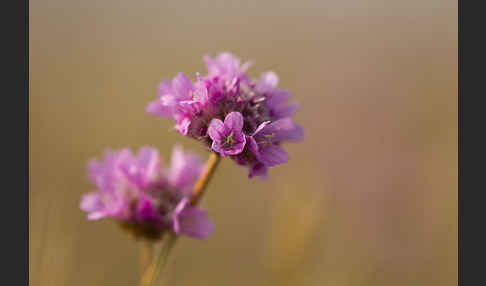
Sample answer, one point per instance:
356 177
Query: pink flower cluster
137 191
234 115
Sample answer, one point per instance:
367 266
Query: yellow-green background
370 196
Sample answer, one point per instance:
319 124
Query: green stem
152 273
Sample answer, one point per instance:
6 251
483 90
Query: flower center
193 94
229 139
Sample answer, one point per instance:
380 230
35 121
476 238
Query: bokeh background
370 196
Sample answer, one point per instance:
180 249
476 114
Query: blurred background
370 196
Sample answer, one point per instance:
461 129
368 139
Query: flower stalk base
153 271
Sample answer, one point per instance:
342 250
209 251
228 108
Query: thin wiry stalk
146 254
211 165
152 273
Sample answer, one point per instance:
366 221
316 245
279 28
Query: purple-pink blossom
227 136
137 190
231 113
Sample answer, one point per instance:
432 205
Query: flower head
137 191
232 114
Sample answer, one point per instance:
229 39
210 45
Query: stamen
193 94
229 139
267 139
